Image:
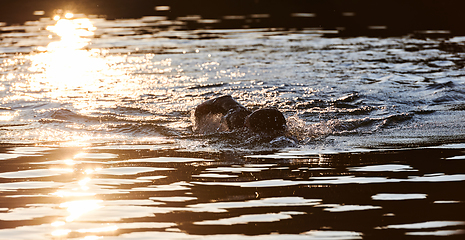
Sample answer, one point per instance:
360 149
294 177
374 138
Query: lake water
97 140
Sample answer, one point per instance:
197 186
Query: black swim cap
266 120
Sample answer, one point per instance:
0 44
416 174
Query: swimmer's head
235 118
265 120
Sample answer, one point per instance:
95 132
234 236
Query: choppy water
97 140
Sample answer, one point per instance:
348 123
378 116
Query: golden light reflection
101 229
69 162
90 171
7 116
74 69
83 183
80 203
80 191
69 15
67 65
61 193
70 69
58 223
60 232
74 34
80 140
68 170
80 207
91 238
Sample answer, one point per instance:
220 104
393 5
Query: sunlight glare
58 223
90 171
69 15
83 183
65 64
69 162
96 230
80 207
60 232
92 237
68 70
6 116
61 193
66 170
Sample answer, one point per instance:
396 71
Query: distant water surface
97 137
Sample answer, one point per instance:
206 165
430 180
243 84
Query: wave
305 131
131 125
441 85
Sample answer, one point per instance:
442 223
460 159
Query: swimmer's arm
206 108
220 105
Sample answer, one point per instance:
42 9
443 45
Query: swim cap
236 118
266 120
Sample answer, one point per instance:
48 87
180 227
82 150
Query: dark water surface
97 139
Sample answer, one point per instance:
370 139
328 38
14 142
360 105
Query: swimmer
236 116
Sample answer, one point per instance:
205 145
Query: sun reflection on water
80 207
7 116
74 33
65 64
70 72
80 88
79 201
